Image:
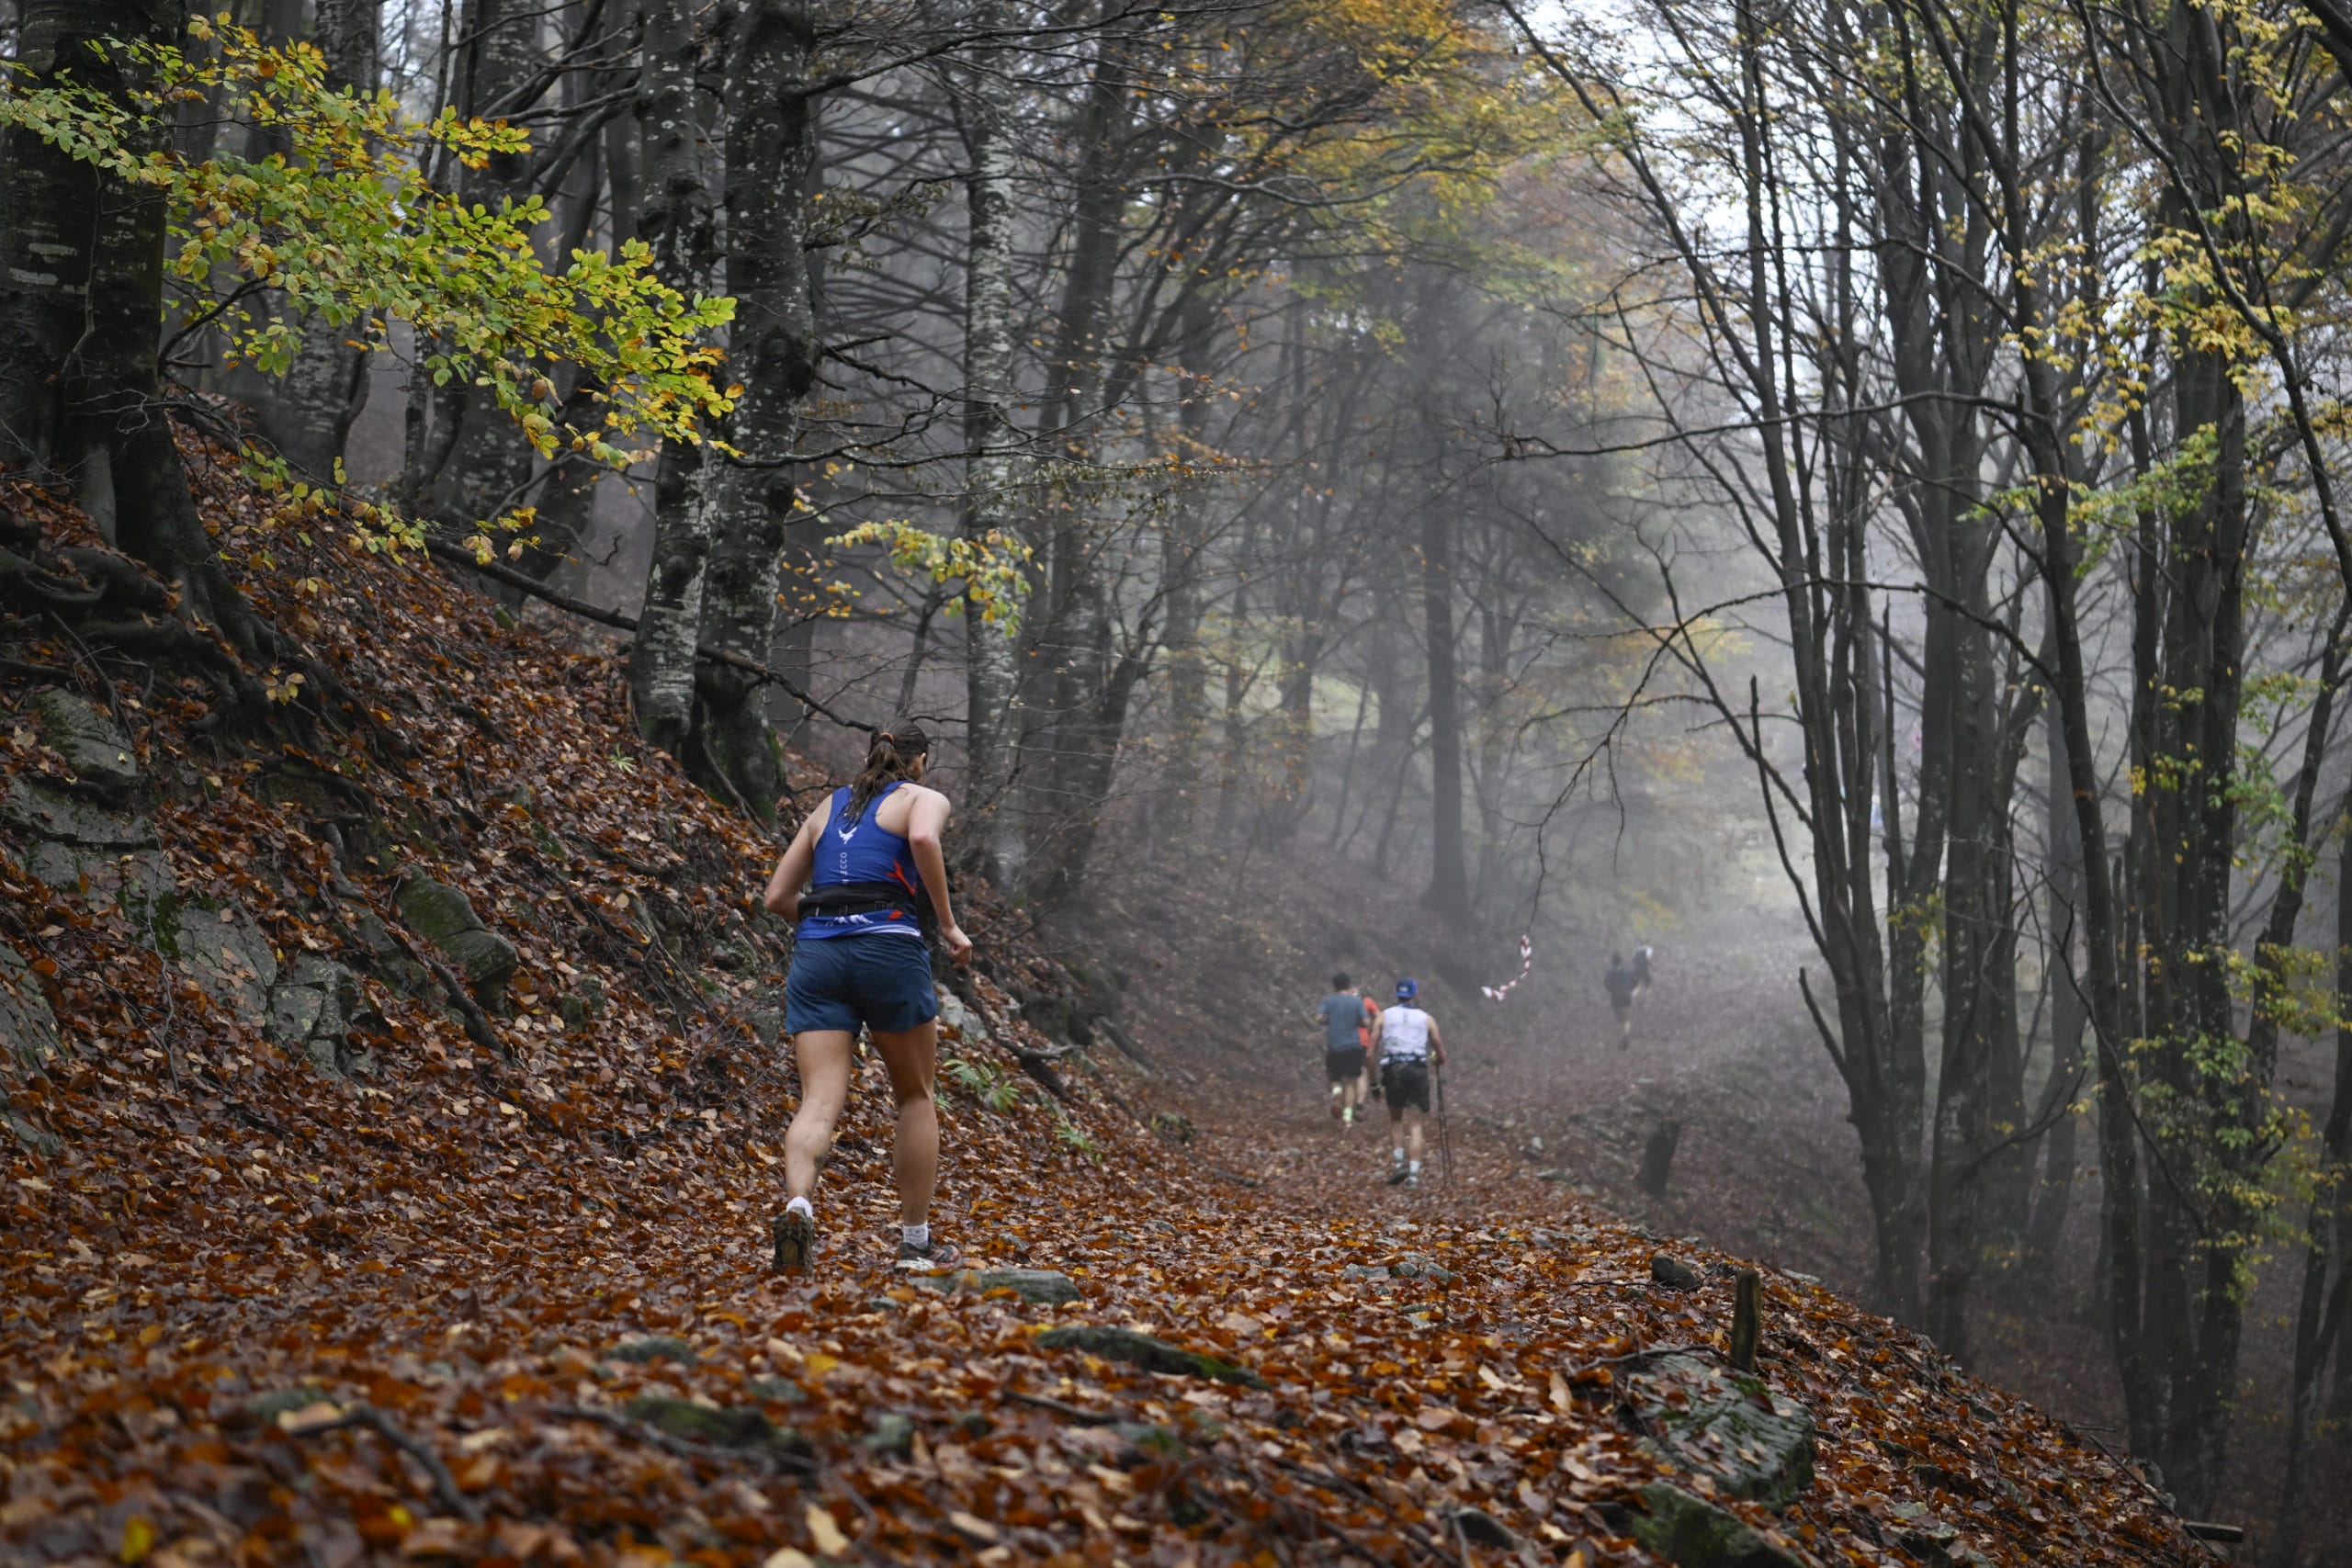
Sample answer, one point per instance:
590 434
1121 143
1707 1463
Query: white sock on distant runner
808 1210
1414 1169
916 1236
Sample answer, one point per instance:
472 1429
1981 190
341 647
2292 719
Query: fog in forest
1843 499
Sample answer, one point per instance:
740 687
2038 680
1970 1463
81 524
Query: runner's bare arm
782 897
924 823
1437 1044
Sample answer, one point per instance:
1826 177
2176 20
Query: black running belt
859 898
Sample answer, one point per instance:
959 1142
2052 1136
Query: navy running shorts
881 980
1405 1085
1340 1066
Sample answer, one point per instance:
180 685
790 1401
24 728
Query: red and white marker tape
1526 962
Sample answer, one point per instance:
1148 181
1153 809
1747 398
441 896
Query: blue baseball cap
1406 989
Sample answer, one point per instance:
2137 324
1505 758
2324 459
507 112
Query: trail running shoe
1397 1175
936 1259
796 1238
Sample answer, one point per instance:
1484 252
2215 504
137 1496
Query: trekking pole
1444 1144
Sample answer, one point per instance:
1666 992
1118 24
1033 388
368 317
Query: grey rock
27 1026
386 958
97 751
716 1424
646 1349
783 1391
1480 1528
310 1009
1038 1287
228 956
1153 1355
585 1001
1692 1533
891 1434
954 1015
1673 1273
46 811
1565 1178
136 880
1365 1271
278 1402
444 918
1418 1265
28 1036
1749 1440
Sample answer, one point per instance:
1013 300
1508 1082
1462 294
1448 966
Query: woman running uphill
859 957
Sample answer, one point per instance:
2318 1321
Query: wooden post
1746 1320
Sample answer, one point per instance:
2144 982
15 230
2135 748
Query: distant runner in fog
1409 1045
1641 970
1343 1014
1621 984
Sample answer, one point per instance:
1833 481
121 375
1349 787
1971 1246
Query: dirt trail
1765 1163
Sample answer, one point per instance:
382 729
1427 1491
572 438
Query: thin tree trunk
2326 1295
1449 889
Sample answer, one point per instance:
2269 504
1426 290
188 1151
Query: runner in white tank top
1410 1045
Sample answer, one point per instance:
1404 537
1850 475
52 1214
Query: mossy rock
444 918
646 1349
892 1435
1690 1533
1751 1442
90 742
27 1026
1038 1287
718 1425
1144 1351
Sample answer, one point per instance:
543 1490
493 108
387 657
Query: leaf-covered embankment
395 1116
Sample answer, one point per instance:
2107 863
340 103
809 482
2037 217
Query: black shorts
1406 1085
1342 1062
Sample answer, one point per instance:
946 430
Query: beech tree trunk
774 350
469 464
994 731
308 415
675 221
81 301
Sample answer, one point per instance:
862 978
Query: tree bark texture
308 415
472 466
774 351
81 301
994 716
675 221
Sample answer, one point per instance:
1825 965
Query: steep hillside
396 1114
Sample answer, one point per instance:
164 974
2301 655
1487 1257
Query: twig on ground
1077 1413
444 1487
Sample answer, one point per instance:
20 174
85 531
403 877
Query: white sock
1414 1169
1396 1157
916 1236
808 1210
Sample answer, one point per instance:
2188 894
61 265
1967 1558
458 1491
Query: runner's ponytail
892 756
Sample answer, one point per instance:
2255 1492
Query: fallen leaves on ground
509 1301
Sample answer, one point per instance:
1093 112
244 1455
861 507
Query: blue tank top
862 851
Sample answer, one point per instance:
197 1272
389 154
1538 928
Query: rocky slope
394 1112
